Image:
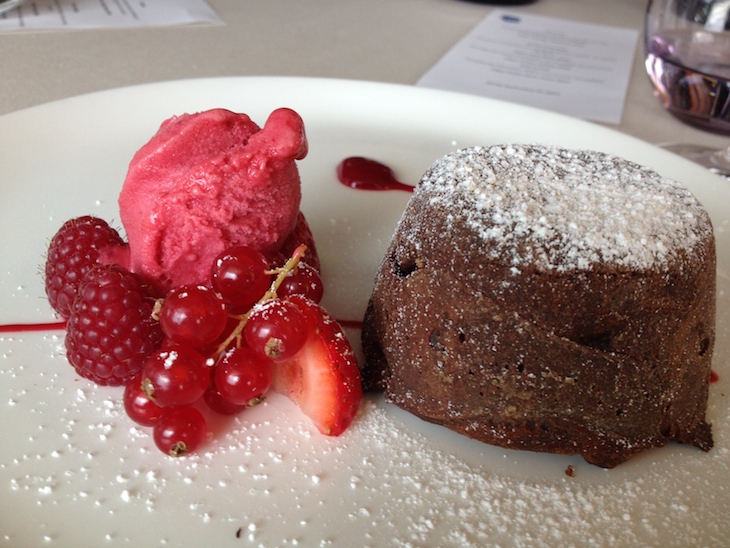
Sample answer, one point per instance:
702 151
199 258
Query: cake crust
546 299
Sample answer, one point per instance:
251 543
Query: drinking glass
6 5
717 161
687 46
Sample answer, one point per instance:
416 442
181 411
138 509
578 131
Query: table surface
377 40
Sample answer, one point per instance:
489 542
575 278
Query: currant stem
281 274
289 266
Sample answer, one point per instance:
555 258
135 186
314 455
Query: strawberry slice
323 378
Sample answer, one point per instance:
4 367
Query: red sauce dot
366 174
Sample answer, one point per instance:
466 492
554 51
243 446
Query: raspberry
73 251
110 331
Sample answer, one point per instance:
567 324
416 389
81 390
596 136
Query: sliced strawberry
323 379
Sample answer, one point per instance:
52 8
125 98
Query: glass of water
687 46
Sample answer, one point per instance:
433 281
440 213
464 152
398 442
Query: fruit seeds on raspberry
73 251
111 331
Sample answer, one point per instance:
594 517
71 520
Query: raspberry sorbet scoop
204 183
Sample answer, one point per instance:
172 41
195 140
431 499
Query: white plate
74 471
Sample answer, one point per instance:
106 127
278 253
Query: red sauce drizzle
355 324
714 377
31 327
366 174
53 326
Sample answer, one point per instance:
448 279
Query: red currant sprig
216 355
271 294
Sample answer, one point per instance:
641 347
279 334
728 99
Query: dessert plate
74 471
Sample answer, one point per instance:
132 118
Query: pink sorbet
206 182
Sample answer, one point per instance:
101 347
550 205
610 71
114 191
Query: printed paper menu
573 68
79 14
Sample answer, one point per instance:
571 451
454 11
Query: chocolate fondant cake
547 299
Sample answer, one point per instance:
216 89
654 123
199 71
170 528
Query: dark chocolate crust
602 361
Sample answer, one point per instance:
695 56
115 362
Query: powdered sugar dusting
267 478
565 210
493 509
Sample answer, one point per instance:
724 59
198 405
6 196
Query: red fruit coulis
355 172
31 327
366 174
354 324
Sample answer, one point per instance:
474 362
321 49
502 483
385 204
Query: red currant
175 376
239 275
303 280
215 400
243 377
139 407
217 403
213 348
276 329
179 431
193 315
